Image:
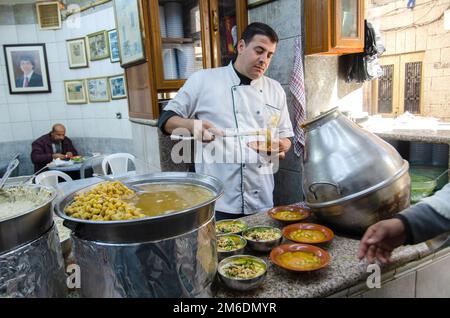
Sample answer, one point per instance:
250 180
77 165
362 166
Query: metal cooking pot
29 225
351 178
172 255
31 261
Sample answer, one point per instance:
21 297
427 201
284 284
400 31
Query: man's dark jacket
35 81
42 151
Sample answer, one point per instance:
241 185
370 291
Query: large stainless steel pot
31 261
351 178
171 255
29 225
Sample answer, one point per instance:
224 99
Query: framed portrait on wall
255 3
128 15
76 53
117 86
98 90
27 68
113 46
98 45
75 91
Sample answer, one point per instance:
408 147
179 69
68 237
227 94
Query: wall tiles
25 14
55 74
33 98
58 94
73 112
6 15
46 36
16 98
19 113
21 131
5 132
4 114
433 280
26 33
52 53
75 128
3 92
57 110
285 17
38 111
41 127
8 34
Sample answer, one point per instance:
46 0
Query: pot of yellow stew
158 243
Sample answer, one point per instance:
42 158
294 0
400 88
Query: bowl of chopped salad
242 272
229 245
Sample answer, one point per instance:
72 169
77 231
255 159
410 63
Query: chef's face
255 56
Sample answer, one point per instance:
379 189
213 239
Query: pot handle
338 190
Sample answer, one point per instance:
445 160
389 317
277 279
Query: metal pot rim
318 118
135 180
53 194
364 192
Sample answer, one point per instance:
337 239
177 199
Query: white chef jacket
216 96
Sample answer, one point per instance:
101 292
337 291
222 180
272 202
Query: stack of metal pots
171 255
351 178
31 261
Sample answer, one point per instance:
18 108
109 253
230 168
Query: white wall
28 116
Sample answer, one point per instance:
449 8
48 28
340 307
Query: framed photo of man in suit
27 68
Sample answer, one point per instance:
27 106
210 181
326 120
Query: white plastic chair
50 178
118 163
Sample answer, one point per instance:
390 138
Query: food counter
344 276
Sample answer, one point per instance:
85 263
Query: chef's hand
206 129
284 146
381 239
58 156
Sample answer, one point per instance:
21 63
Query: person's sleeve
38 156
440 201
422 223
184 104
285 125
163 118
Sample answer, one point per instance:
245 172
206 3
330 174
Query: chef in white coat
239 97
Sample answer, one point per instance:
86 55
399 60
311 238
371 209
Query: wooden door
400 89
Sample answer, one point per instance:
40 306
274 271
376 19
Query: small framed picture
76 52
128 15
75 91
98 45
255 3
26 68
113 46
98 90
117 86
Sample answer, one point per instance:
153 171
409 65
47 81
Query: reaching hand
69 155
58 156
381 239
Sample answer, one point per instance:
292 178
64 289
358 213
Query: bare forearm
178 122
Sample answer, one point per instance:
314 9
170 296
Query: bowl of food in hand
262 238
230 227
300 257
308 233
229 245
289 213
77 159
242 272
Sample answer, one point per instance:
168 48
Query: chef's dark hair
256 28
253 29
